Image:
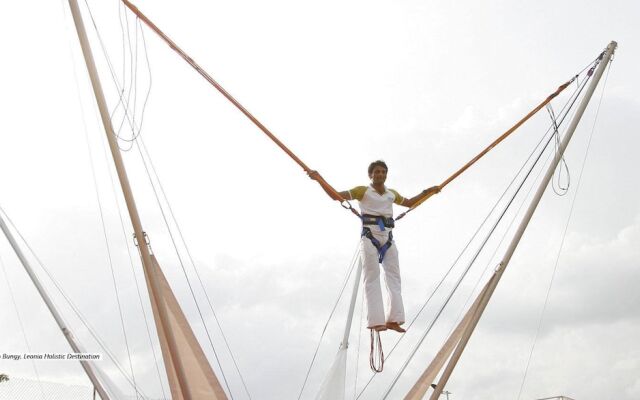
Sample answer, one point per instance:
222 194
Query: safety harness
382 222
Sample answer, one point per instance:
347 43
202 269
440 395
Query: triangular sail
423 384
201 379
333 386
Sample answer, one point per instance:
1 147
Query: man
377 245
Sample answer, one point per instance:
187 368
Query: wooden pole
154 288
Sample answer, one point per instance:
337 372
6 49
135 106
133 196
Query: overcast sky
422 85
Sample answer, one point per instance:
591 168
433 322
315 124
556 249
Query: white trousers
376 313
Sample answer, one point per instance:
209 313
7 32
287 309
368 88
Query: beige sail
201 379
423 384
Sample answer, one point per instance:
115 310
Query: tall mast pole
606 58
154 288
88 368
332 387
352 305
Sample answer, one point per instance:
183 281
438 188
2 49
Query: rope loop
376 356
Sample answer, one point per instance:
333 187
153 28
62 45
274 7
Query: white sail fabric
201 379
333 386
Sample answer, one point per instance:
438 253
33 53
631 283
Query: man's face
378 175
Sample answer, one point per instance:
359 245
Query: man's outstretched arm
315 175
420 197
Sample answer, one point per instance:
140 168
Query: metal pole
88 369
131 206
526 218
352 305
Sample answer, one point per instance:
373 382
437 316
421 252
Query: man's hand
338 196
315 175
432 190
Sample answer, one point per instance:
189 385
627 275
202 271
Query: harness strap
382 222
382 248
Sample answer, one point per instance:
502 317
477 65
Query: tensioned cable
80 316
106 239
497 247
555 127
441 282
184 271
461 278
566 227
489 263
480 248
115 81
132 123
102 220
449 271
130 258
105 153
352 265
110 259
142 146
474 236
475 256
121 101
24 333
355 383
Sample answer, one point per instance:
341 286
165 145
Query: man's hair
377 163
